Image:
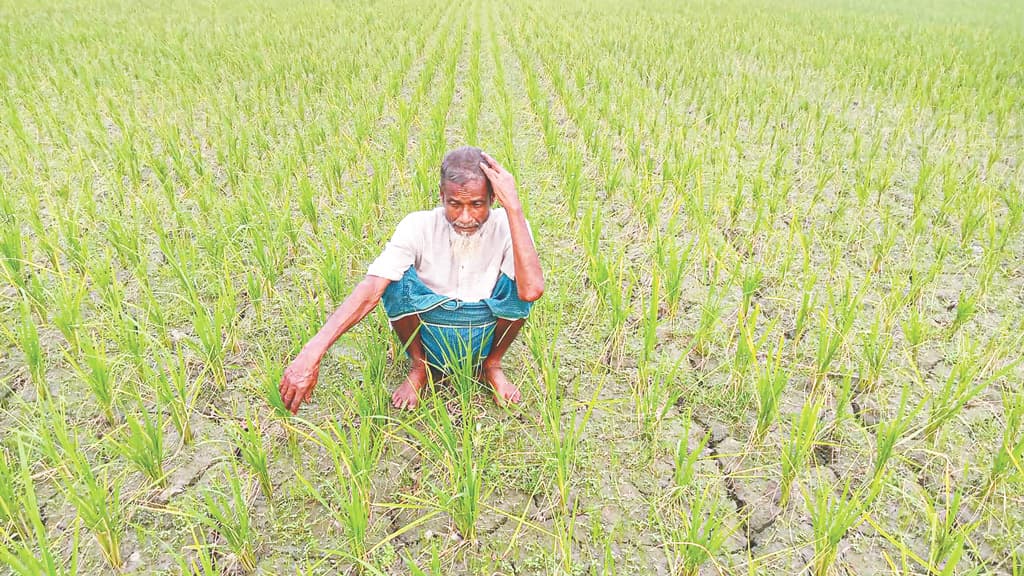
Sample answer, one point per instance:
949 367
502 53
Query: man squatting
457 283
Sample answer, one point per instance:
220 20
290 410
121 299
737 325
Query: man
457 283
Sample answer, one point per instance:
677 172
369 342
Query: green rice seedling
308 204
372 398
875 347
228 514
832 516
966 304
572 171
947 535
96 498
590 236
699 538
746 344
673 260
331 268
133 339
885 241
469 458
155 311
248 440
31 553
807 301
26 339
831 336
11 244
66 314
71 233
103 272
654 398
972 221
686 459
963 383
126 239
649 328
710 312
844 400
563 437
171 384
271 370
452 447
771 382
143 445
268 249
303 319
212 328
619 294
12 493
888 433
98 374
915 328
354 451
751 281
803 435
1009 456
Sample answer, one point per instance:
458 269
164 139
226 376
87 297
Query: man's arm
529 276
301 375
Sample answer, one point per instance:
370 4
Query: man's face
466 206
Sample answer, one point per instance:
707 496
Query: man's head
466 193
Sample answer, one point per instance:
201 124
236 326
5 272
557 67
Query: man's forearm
360 302
529 276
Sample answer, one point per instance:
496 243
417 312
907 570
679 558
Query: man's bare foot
407 396
504 391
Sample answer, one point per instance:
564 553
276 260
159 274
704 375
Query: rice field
782 331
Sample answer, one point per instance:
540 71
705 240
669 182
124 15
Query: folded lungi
453 331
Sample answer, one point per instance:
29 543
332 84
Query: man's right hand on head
298 382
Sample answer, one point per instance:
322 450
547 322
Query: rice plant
32 552
889 432
248 439
228 514
832 333
771 382
97 500
143 443
98 374
13 519
1008 459
803 435
686 459
700 536
175 394
875 345
948 535
26 338
94 494
354 452
833 514
963 383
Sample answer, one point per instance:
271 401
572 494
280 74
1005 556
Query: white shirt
466 268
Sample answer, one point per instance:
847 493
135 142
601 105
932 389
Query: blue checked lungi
453 331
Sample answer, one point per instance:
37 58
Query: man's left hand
503 183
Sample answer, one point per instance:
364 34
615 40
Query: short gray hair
463 165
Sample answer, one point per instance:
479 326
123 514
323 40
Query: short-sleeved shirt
427 241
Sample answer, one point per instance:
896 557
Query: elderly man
457 283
